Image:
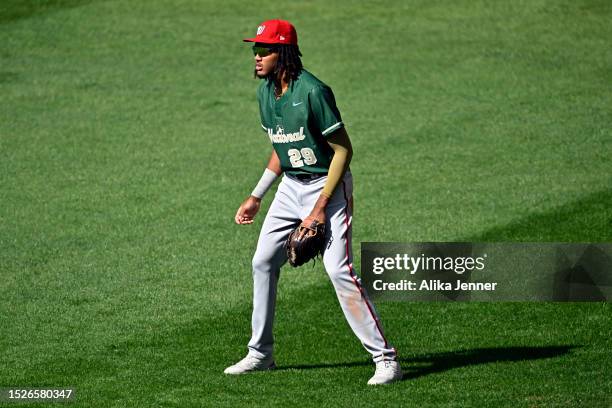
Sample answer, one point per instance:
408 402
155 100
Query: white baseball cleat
386 373
250 364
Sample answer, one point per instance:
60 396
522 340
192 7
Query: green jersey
299 122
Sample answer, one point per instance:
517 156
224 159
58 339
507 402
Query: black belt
309 177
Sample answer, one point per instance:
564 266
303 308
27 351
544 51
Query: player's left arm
343 152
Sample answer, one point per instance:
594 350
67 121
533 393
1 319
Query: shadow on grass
446 361
588 219
419 366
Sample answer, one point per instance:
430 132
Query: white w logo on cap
260 29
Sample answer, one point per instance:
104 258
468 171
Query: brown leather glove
305 243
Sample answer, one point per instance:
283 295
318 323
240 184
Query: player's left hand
317 213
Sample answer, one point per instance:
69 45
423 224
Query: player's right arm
249 208
274 163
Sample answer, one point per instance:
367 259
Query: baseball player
312 151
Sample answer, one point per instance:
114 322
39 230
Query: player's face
265 59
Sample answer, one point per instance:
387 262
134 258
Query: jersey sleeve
324 111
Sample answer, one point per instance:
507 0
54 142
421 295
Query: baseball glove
305 243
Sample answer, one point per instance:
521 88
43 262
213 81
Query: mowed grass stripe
12 10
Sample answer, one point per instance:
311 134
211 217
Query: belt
309 177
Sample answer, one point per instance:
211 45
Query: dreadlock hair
288 62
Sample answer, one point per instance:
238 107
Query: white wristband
267 179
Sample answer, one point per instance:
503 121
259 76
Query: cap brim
249 40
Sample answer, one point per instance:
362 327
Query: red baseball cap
275 32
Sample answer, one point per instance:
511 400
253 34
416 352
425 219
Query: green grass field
129 134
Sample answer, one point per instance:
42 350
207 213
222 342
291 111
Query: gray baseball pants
292 203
